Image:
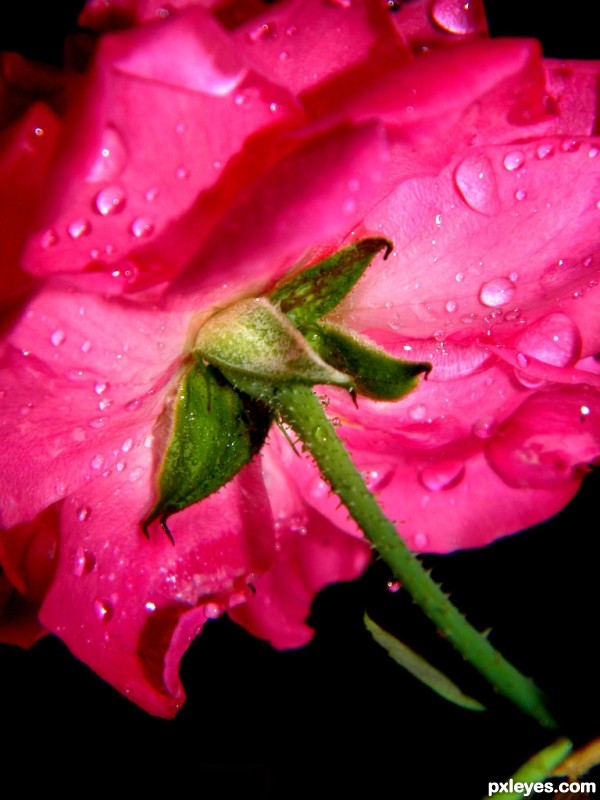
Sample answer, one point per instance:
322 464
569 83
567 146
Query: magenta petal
118 186
128 606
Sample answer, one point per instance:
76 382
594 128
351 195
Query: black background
338 715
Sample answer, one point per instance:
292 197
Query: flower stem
298 407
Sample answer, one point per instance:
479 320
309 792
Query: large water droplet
79 228
111 158
83 513
83 562
484 427
142 227
443 475
103 609
514 160
476 181
58 337
458 16
110 200
553 339
421 541
213 610
497 292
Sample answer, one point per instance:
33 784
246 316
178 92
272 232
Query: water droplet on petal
443 475
421 541
151 194
264 31
86 346
58 337
451 306
83 513
83 562
553 339
135 474
513 160
150 606
101 387
182 173
544 151
520 195
142 227
104 610
593 152
378 478
79 228
476 182
49 239
97 461
111 158
393 586
496 292
127 445
570 146
418 412
484 428
213 610
457 16
110 200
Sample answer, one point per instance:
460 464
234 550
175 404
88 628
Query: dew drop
484 427
182 173
49 239
127 445
522 360
86 346
83 513
513 160
103 610
451 306
60 489
58 337
150 606
520 195
133 405
104 404
79 228
496 292
418 412
457 16
459 277
213 610
553 339
593 152
142 227
570 146
135 474
476 181
100 387
83 562
529 381
98 422
421 541
585 411
393 586
97 461
441 476
110 200
544 151
111 158
264 31
378 478
151 194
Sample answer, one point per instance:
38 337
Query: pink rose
192 159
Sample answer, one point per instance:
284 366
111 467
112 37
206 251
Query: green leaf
421 669
213 432
253 338
315 292
374 372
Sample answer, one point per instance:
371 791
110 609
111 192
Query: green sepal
374 372
212 432
254 339
421 669
311 294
